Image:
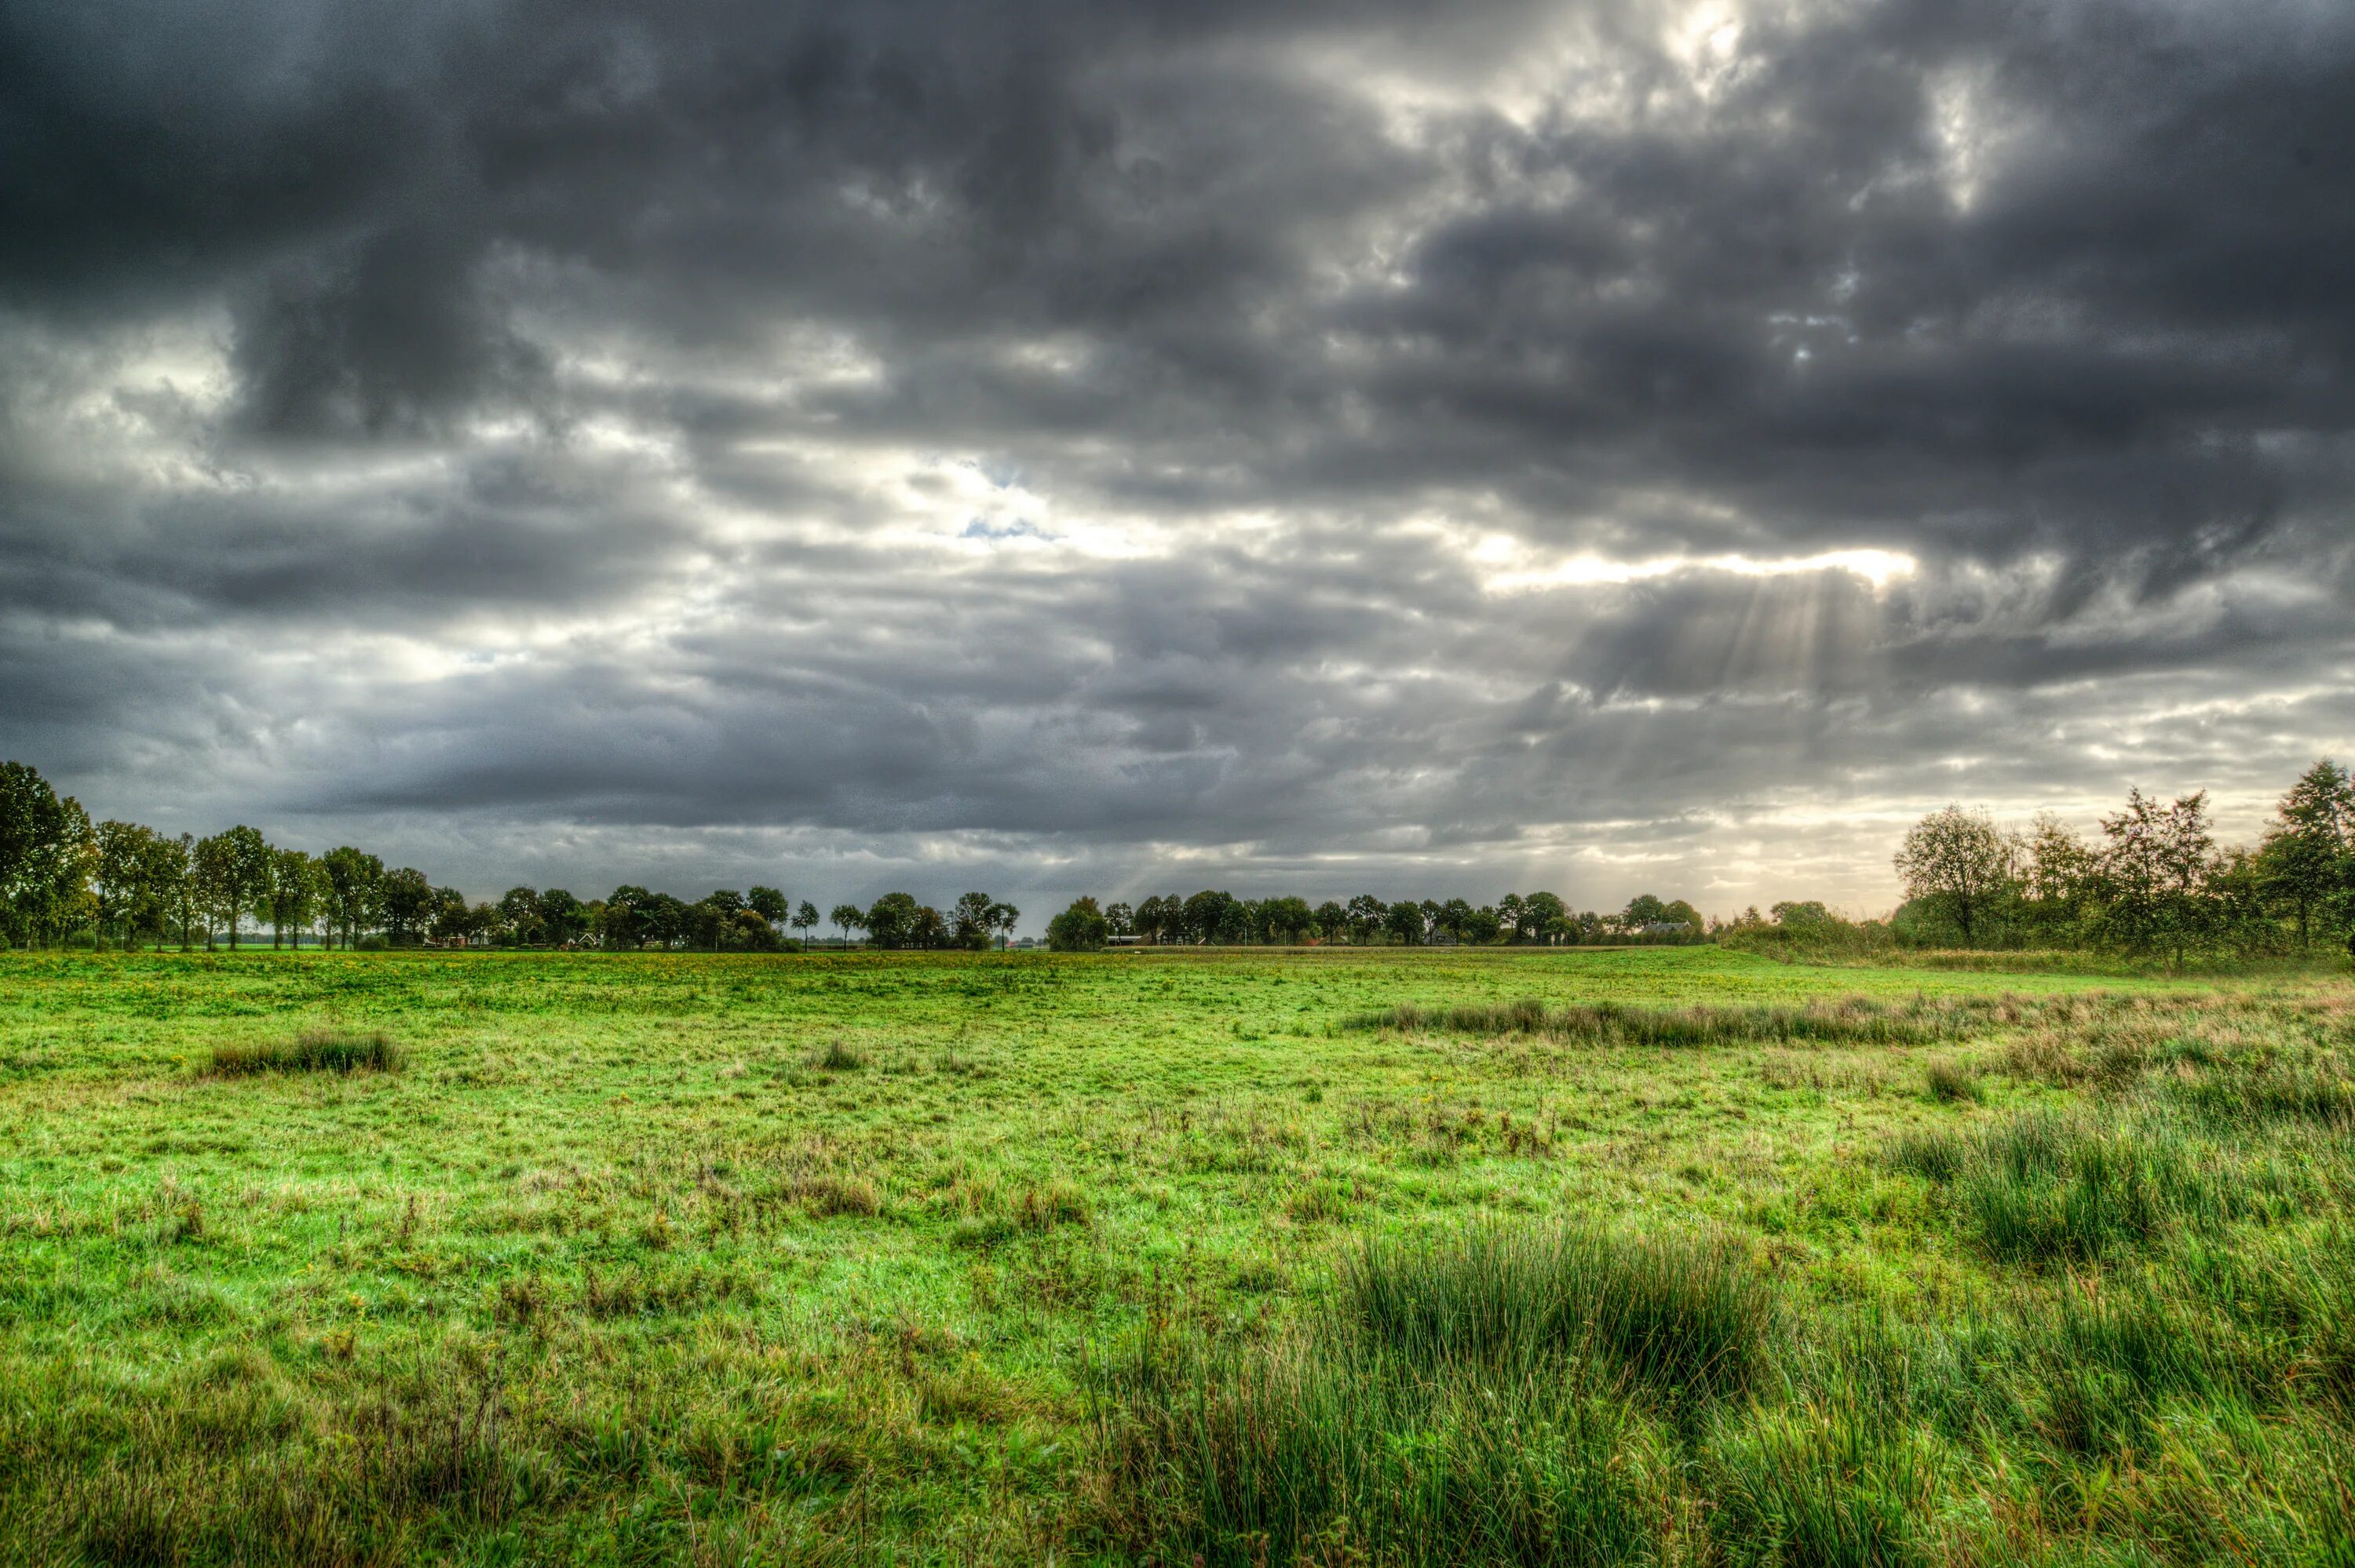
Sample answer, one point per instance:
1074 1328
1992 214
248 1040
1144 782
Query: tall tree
769 904
355 895
806 918
1079 928
233 877
892 921
2061 881
118 875
519 912
2154 871
1542 916
1961 864
46 848
294 894
562 917
405 903
969 919
1406 922
2302 863
172 870
1002 920
846 918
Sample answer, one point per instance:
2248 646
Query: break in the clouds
1074 446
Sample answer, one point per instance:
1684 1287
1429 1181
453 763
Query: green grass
1674 1254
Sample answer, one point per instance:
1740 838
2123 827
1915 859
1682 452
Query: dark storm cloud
1317 442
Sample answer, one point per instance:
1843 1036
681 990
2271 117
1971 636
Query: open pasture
1672 1254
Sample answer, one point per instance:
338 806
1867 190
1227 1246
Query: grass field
1672 1254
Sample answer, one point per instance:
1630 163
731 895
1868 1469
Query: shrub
83 942
371 943
313 1051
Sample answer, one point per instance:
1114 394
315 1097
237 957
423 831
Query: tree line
2155 882
65 880
1217 917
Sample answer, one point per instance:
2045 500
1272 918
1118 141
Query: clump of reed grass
2045 1187
1489 1396
838 1057
313 1051
1676 1314
1854 1020
1951 1082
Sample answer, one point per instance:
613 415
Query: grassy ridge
1673 1254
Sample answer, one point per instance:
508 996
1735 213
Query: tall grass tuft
1854 1020
313 1051
1489 1397
2048 1188
1675 1314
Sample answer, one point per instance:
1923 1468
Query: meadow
1678 1255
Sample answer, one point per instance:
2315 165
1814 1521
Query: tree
404 903
1960 863
2302 861
712 920
769 904
519 914
1479 928
1283 919
2154 871
1002 918
355 895
233 873
663 920
47 851
1405 922
1366 915
562 917
970 919
1332 921
1155 920
121 893
1122 918
1542 916
1203 915
1079 928
2060 880
1644 909
806 918
891 920
171 872
294 893
449 918
848 917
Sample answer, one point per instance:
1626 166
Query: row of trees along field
64 879
2154 882
1218 917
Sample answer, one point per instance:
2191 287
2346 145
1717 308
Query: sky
1083 447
